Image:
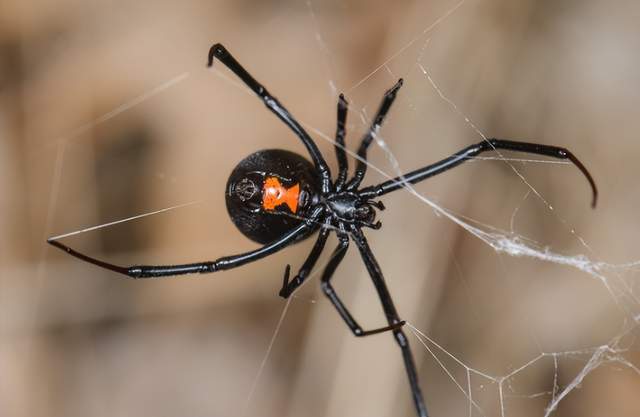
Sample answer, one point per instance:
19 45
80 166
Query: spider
277 198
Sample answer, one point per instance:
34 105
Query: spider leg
469 152
341 155
392 316
361 167
220 52
227 262
327 288
288 287
375 226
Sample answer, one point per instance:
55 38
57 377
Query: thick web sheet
618 280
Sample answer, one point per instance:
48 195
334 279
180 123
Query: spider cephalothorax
277 198
351 208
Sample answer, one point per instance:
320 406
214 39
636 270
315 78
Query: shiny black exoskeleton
277 197
350 207
246 187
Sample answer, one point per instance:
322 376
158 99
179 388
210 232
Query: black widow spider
277 198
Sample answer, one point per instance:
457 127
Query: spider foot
393 90
284 291
359 332
218 51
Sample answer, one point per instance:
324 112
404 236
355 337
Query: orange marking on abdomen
275 194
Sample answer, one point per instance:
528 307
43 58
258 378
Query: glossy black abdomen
245 188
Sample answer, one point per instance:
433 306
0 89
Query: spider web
617 279
534 379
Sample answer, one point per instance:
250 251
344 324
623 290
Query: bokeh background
107 111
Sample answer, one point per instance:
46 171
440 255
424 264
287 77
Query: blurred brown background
107 111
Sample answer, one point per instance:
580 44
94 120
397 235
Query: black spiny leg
288 287
361 167
392 317
228 262
328 290
272 103
469 152
341 155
